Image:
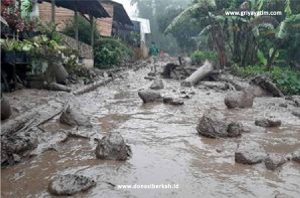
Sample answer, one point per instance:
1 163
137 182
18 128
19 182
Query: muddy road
166 148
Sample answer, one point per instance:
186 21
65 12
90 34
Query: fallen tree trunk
198 75
59 87
33 118
91 87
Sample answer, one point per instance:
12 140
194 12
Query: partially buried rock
70 184
296 156
173 101
267 122
157 84
274 161
239 99
214 125
249 153
296 113
266 84
5 109
73 116
113 147
150 96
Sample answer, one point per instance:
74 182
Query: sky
131 10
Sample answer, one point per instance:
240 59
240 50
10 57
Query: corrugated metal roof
120 14
91 7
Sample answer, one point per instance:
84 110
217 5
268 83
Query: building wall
63 16
104 25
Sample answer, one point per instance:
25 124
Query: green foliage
109 52
286 78
84 30
199 57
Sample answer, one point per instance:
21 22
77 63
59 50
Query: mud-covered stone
249 153
273 161
70 184
113 147
5 109
150 96
296 113
296 156
267 122
239 99
73 116
214 124
157 84
266 83
173 101
16 144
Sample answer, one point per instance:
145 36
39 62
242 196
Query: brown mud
166 148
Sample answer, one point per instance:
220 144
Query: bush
286 78
109 51
84 30
198 57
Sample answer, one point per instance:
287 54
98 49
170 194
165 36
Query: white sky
131 10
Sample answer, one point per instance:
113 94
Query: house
118 24
142 26
63 12
113 20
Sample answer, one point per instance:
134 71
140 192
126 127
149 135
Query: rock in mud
70 184
215 125
266 84
5 109
273 161
296 113
239 99
113 147
282 195
173 101
296 156
73 116
267 122
157 84
150 96
250 153
16 144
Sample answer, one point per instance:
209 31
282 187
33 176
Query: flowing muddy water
166 149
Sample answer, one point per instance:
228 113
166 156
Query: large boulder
267 122
296 156
249 153
273 161
73 116
266 84
150 96
157 84
239 99
113 147
214 125
17 144
70 184
5 109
